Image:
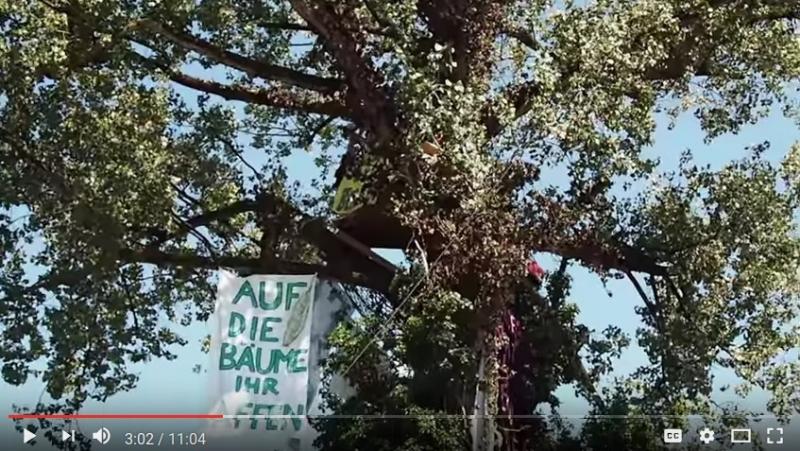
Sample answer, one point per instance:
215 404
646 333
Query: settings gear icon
706 436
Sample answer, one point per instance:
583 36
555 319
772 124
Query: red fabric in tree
535 271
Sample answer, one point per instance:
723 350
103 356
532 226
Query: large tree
145 143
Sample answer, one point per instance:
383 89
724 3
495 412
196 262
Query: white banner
237 385
260 345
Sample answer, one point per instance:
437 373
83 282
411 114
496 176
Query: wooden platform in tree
375 229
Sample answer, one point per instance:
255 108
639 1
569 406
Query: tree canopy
145 143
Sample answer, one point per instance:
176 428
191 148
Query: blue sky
172 386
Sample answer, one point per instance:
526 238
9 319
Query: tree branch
290 26
225 212
340 252
19 149
387 26
523 37
683 56
366 97
335 247
275 97
470 28
652 308
621 258
206 219
247 65
231 146
192 230
520 96
159 258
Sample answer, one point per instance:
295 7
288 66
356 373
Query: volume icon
102 435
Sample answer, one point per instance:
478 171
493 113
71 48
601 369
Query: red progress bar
116 416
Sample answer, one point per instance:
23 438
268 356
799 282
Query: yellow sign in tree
348 196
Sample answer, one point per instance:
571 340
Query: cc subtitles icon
673 436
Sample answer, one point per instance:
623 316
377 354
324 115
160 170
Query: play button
27 436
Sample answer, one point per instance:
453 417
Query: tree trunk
483 424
